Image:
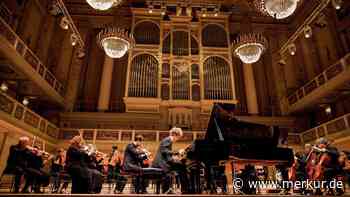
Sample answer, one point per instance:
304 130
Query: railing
22 49
20 112
125 135
340 66
335 126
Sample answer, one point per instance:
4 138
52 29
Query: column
105 84
250 89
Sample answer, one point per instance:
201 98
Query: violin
145 156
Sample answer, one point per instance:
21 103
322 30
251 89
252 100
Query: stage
148 195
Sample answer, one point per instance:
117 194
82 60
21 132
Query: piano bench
153 174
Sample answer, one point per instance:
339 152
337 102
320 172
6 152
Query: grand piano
229 139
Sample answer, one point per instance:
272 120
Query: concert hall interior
166 96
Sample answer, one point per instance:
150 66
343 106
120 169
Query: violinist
37 177
17 161
114 168
133 157
56 169
77 167
92 159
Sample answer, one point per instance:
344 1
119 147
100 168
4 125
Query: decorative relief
107 135
19 112
7 33
126 136
88 134
42 126
148 136
187 137
31 59
309 136
41 70
31 119
68 134
52 131
20 47
336 126
6 104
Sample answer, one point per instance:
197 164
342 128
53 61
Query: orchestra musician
57 166
91 158
164 159
17 161
36 176
132 163
77 167
114 168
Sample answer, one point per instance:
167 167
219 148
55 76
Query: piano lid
225 126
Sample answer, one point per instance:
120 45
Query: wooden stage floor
136 195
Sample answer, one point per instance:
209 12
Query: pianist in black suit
164 159
17 161
132 163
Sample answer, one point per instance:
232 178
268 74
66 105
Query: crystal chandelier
103 4
249 47
115 41
278 9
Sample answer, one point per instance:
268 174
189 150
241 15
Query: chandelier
103 4
249 47
115 41
278 9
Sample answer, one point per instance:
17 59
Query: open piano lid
245 140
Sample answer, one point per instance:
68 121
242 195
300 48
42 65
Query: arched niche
214 35
147 32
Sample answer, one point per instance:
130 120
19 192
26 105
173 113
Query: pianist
164 159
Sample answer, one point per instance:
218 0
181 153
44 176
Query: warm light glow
73 39
308 32
4 87
115 41
103 4
64 23
249 47
216 14
328 110
337 4
115 47
250 53
25 101
278 9
292 49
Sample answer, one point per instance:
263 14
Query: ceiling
238 9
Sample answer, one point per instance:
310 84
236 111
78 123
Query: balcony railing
333 129
23 50
331 72
19 112
123 135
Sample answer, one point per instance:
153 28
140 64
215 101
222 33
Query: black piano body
229 138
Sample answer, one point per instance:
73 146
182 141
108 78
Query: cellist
327 161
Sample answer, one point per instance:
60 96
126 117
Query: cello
323 161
